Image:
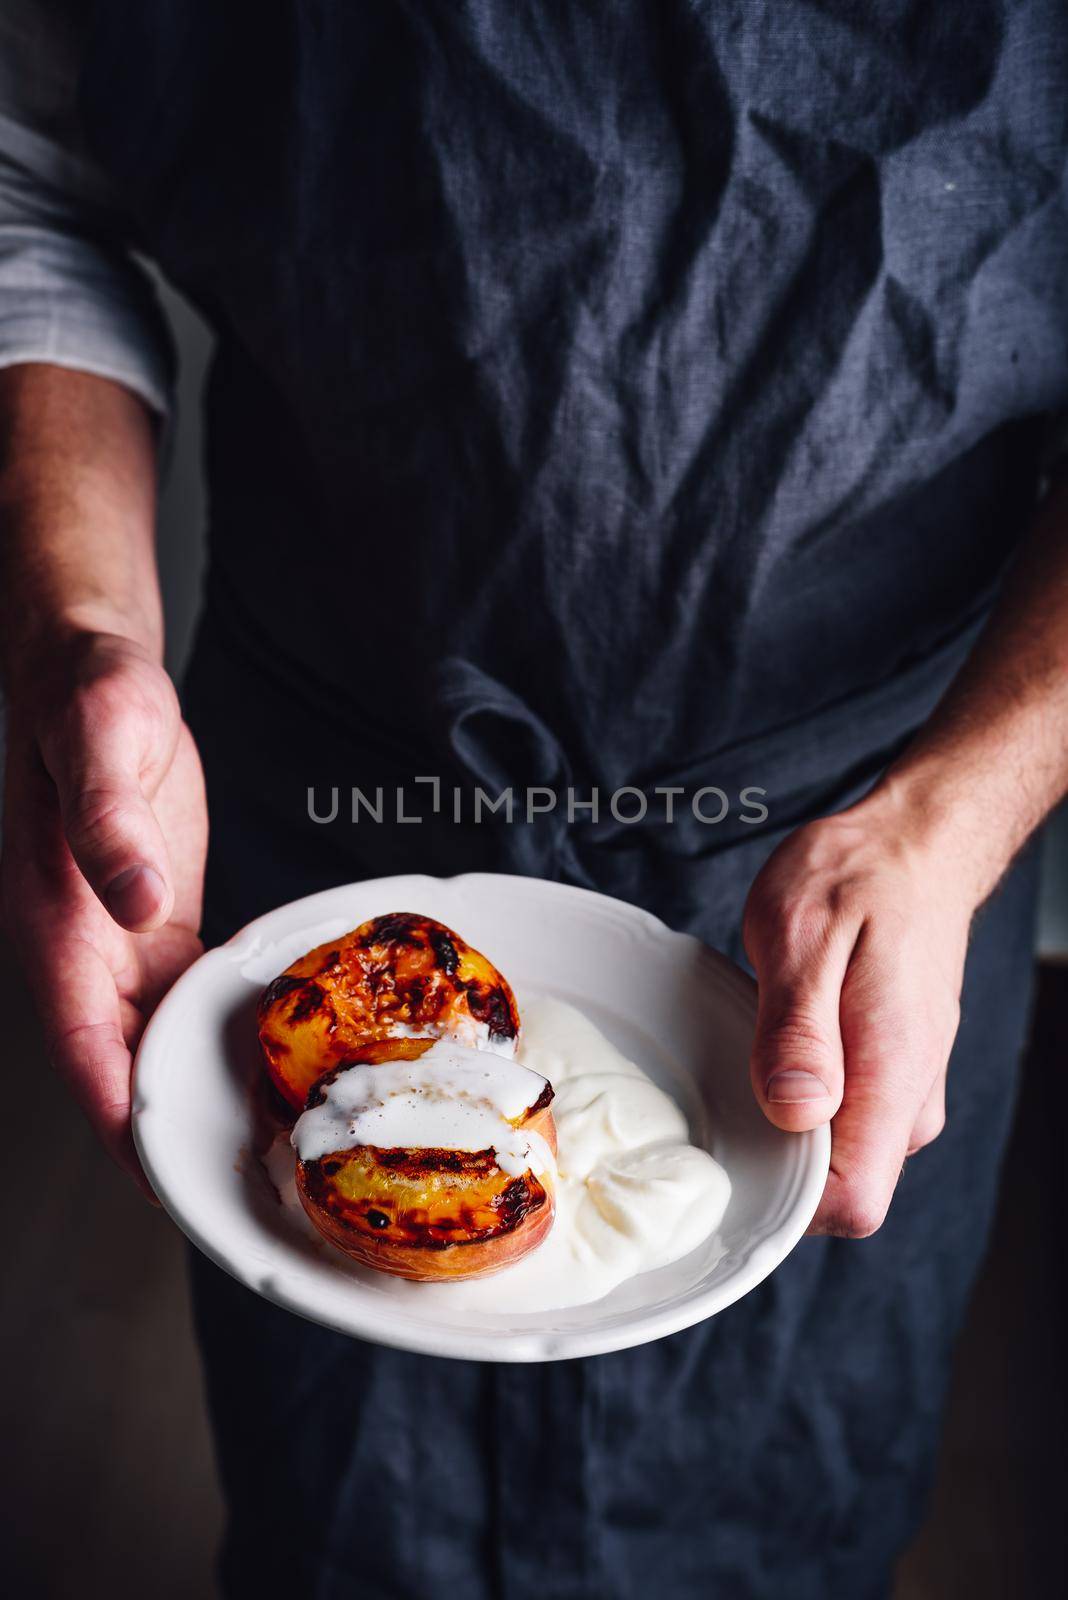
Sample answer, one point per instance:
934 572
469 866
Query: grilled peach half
395 975
429 1214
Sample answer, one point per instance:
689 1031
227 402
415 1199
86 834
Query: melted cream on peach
449 1098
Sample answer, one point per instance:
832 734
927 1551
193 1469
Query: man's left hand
857 929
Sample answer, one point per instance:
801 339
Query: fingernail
786 1088
135 895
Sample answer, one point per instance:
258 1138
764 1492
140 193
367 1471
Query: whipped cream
449 1098
461 1028
632 1192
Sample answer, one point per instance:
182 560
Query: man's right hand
104 840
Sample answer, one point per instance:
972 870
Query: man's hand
104 838
857 926
105 826
857 931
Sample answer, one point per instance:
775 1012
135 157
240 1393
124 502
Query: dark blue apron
644 393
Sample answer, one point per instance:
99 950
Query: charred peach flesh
396 975
430 1214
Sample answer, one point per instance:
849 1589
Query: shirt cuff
67 300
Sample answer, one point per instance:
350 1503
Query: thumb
797 1059
109 825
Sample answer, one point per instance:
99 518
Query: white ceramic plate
682 1012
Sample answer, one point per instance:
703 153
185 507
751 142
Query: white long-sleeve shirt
71 290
